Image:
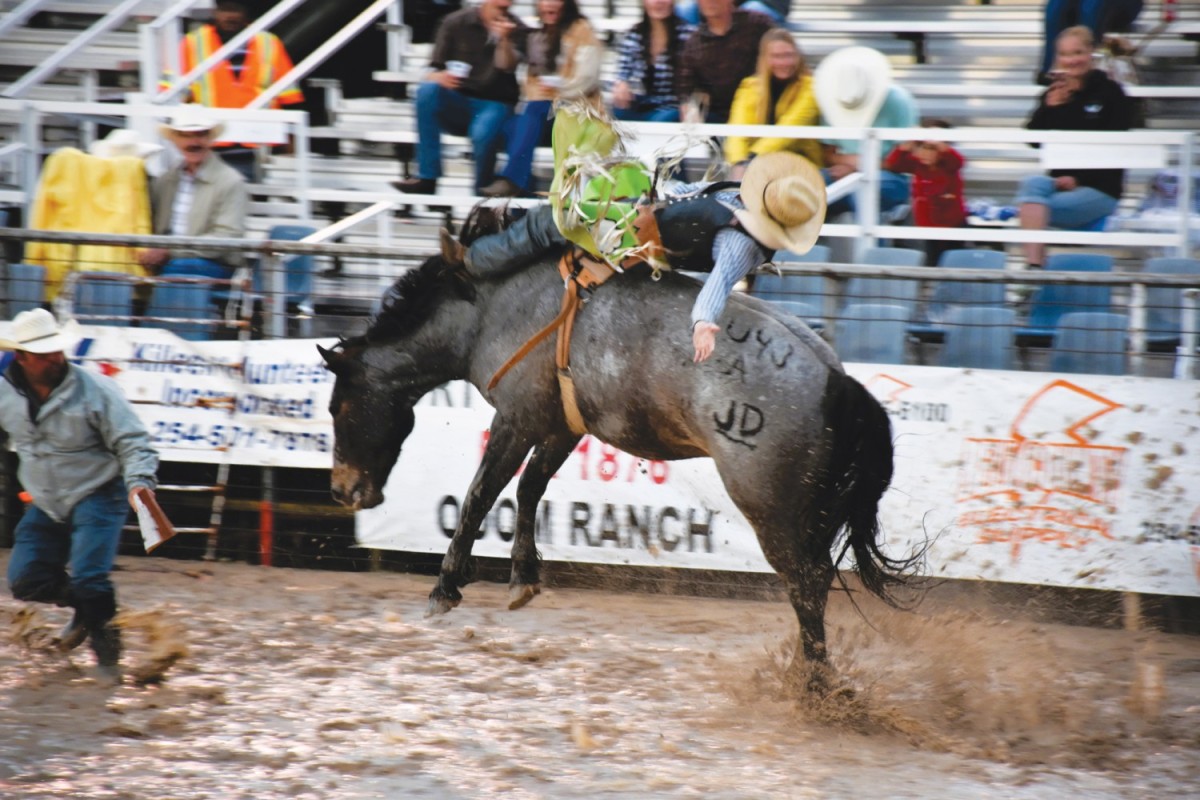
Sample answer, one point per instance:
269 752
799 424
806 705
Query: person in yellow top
780 92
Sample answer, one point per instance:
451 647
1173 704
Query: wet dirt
250 682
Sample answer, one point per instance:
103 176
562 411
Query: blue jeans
202 267
1102 16
482 121
689 10
525 131
87 542
893 191
659 114
1071 210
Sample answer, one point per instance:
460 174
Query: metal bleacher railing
845 285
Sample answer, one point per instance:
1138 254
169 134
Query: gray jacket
85 435
220 205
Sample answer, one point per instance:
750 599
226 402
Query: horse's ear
453 251
335 360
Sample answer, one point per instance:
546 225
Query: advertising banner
1040 478
1080 480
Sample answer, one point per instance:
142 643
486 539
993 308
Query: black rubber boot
73 633
104 637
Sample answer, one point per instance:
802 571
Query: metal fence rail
1124 294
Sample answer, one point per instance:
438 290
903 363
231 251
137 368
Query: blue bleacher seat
173 302
1053 301
872 333
26 287
103 294
299 274
979 337
1164 304
1091 343
805 311
948 295
888 291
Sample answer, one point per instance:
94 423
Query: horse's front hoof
441 603
520 594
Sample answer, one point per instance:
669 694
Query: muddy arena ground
252 682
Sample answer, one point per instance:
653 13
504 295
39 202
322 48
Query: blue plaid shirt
632 68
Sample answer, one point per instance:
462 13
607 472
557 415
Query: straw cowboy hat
784 196
36 331
191 119
851 85
123 142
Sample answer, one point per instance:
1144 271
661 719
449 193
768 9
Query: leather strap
578 271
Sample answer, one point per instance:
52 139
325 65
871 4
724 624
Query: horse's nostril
338 494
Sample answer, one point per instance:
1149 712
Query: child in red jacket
937 189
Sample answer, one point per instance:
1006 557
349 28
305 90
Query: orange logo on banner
885 387
1046 482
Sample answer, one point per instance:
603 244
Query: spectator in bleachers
854 89
1099 16
199 196
239 79
777 10
779 93
937 188
716 58
103 191
647 62
1080 98
470 91
563 62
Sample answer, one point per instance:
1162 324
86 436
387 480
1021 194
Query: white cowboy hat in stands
851 85
784 196
191 119
122 142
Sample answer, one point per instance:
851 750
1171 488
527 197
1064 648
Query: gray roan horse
803 449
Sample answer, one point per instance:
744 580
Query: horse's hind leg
808 590
546 459
505 451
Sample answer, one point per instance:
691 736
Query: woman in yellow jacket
778 93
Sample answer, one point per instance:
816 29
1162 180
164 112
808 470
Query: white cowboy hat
123 142
851 85
191 119
36 331
784 196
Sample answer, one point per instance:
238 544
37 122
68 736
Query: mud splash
279 683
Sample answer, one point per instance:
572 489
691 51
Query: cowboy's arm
735 255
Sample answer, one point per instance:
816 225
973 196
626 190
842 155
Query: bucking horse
808 474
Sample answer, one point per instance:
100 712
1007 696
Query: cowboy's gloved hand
704 339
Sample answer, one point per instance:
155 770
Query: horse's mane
413 296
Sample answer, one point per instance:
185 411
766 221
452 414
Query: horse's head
372 410
410 347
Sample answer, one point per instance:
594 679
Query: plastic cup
459 69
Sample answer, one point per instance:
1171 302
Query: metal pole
1137 328
48 67
1186 193
314 59
870 162
275 304
1185 356
19 15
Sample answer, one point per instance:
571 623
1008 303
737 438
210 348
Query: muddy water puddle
295 684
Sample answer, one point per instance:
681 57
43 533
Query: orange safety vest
266 61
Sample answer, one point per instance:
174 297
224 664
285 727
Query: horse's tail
859 471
